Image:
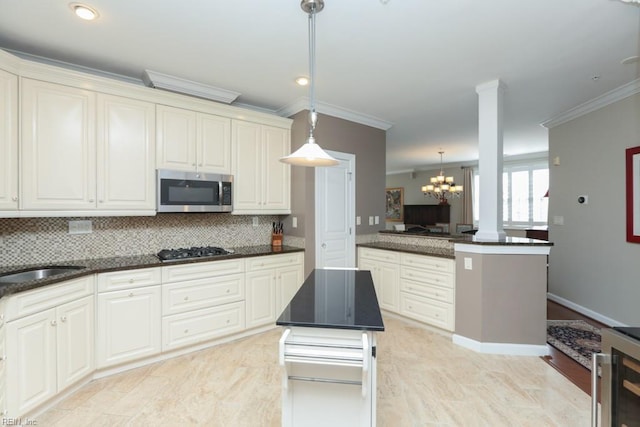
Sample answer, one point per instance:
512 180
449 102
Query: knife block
276 240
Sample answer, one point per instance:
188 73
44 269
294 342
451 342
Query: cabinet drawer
433 263
379 255
38 300
119 280
427 276
198 326
273 261
197 294
432 312
201 270
430 291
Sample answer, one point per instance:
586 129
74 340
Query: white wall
591 263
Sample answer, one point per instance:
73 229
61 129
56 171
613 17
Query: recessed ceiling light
302 80
83 11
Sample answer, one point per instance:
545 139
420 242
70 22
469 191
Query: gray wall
369 146
412 184
592 264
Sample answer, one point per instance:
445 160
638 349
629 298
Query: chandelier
440 186
311 154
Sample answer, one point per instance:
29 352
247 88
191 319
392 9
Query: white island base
328 377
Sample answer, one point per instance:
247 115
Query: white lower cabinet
385 273
427 290
197 326
419 287
210 305
50 349
271 282
128 318
3 362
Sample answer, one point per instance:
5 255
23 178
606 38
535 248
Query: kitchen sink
37 273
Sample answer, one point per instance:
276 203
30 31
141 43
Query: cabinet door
213 148
126 153
176 138
8 141
372 266
260 298
277 175
75 349
288 282
128 325
58 147
31 361
389 278
246 166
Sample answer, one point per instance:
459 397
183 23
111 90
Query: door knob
324 246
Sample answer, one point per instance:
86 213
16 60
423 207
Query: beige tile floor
423 380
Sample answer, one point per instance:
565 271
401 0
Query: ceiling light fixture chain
440 186
311 154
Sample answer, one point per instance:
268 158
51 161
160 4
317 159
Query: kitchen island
328 351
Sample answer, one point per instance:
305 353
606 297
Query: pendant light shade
311 154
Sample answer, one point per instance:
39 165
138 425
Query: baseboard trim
501 348
583 310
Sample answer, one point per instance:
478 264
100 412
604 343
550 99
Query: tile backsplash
39 240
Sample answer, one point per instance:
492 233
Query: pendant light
310 154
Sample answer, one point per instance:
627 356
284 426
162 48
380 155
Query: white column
490 96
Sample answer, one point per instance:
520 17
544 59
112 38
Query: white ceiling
413 63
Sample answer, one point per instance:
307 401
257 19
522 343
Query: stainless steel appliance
181 191
166 255
620 386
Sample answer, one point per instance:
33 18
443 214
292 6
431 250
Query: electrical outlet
80 227
254 221
370 220
558 220
468 263
294 222
376 219
358 220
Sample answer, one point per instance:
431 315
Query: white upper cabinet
193 141
126 153
262 184
58 147
8 141
86 151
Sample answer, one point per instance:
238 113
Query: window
524 186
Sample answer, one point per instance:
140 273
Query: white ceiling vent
158 80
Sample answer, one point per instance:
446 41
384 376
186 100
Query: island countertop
335 299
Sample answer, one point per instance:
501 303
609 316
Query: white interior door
335 213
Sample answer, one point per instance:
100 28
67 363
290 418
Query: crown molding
158 80
610 97
301 104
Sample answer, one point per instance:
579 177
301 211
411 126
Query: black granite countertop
412 249
335 299
103 265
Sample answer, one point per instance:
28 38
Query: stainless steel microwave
181 191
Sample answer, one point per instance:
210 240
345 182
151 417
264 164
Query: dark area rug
575 338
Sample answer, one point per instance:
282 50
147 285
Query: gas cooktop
194 252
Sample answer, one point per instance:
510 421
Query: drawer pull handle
131 280
3 357
63 319
186 331
228 290
228 321
186 298
54 323
130 294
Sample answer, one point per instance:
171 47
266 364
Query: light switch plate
358 220
370 220
376 219
468 263
254 221
294 222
